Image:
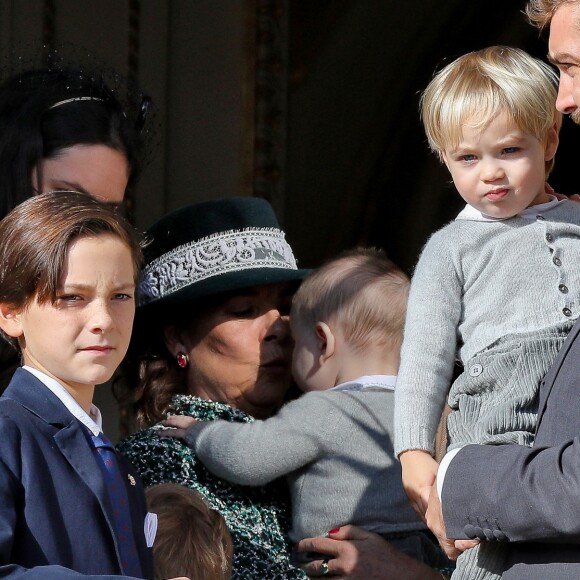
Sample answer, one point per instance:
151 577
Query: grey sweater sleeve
259 452
429 347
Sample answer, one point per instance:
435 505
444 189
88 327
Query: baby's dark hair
363 292
35 238
43 112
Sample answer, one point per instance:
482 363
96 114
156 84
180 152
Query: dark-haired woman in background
64 128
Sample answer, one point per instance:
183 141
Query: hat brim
227 283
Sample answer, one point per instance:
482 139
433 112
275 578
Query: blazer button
475 370
500 536
469 531
563 288
479 533
489 536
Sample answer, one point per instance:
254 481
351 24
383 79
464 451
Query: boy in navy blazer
69 506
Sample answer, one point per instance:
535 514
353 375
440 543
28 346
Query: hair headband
74 99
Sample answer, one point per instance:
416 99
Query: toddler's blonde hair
477 87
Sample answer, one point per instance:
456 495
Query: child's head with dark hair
192 540
68 270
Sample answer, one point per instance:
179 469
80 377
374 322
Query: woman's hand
419 473
180 424
360 555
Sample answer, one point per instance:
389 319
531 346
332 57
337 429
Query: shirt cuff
443 466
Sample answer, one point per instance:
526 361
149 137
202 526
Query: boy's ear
326 342
10 320
173 340
552 141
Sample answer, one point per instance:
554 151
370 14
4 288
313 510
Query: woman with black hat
212 340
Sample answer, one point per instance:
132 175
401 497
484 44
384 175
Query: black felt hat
214 247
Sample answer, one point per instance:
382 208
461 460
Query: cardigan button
549 237
563 288
557 261
567 312
475 370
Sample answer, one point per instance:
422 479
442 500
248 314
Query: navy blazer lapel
548 382
73 444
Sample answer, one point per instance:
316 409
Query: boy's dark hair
35 238
43 112
363 292
192 539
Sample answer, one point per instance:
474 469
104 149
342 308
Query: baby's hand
181 424
419 472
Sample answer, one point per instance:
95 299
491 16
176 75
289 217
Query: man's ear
173 340
326 342
10 320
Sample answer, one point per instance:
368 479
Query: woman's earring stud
182 360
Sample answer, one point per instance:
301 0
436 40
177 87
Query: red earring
182 360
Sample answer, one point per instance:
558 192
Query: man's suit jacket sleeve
514 493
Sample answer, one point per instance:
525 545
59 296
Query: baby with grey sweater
334 443
499 287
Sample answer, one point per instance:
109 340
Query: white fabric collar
469 213
94 422
387 382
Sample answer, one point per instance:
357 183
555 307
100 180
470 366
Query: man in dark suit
528 497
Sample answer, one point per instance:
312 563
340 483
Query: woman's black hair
43 112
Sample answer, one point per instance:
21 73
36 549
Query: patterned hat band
226 252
